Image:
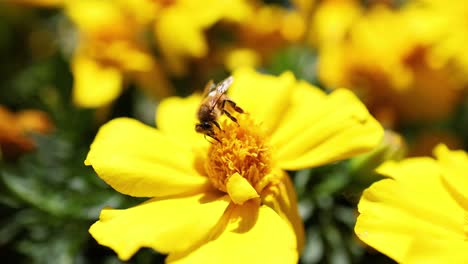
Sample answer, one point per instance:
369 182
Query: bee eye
206 125
203 126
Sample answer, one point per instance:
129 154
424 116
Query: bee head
203 127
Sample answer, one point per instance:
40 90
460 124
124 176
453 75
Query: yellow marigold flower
227 202
388 57
449 47
110 49
242 57
419 214
258 29
270 27
274 22
180 27
332 20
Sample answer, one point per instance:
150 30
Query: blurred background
69 66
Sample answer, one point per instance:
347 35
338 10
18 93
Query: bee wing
210 86
222 87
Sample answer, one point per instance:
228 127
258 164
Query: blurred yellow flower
110 49
449 47
268 28
419 214
388 57
180 27
227 202
112 45
242 57
236 33
331 22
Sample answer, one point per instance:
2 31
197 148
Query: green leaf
301 60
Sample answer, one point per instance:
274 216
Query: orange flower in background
424 143
15 127
231 201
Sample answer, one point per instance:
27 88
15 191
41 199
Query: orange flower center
242 150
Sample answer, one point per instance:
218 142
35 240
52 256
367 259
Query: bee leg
216 124
230 116
213 137
233 105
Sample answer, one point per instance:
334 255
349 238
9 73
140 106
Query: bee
214 105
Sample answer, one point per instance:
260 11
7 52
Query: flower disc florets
242 149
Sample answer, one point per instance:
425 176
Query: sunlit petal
264 97
239 189
284 201
454 168
171 225
332 129
176 117
396 211
138 160
251 234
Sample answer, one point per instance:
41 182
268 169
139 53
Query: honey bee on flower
213 105
235 202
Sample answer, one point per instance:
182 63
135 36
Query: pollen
242 149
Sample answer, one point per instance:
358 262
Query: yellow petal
179 37
95 85
176 117
143 11
303 95
284 202
454 166
242 57
171 225
250 235
332 129
413 203
138 160
181 27
264 97
239 189
129 56
98 18
420 184
427 250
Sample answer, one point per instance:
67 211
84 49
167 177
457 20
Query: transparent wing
222 87
210 86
